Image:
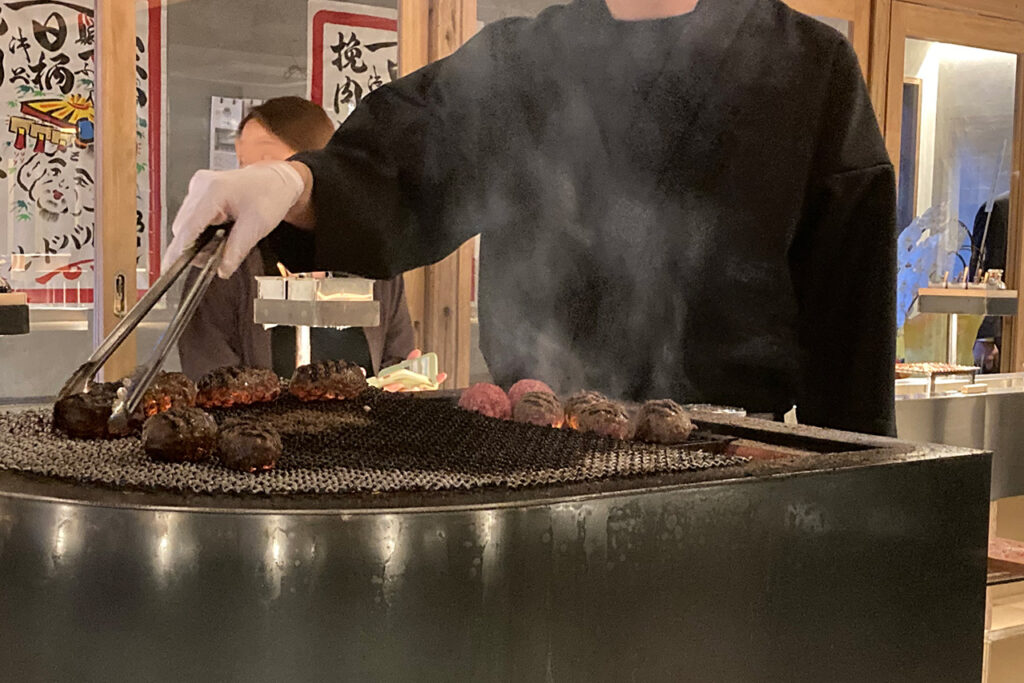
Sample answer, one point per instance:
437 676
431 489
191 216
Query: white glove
256 198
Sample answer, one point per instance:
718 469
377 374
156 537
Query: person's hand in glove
257 198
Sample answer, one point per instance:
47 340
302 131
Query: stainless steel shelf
958 301
316 313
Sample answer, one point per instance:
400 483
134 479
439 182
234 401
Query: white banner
47 162
353 50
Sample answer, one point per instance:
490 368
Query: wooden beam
878 61
1013 329
894 81
446 285
412 36
115 286
413 54
960 28
1002 9
861 35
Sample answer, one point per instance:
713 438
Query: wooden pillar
115 287
413 18
439 295
1013 328
878 61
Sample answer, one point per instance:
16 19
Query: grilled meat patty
234 386
332 379
248 446
180 435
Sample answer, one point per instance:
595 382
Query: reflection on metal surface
66 536
275 566
990 421
807 518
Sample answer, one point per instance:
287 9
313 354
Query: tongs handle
79 380
130 395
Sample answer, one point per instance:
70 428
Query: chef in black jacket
674 201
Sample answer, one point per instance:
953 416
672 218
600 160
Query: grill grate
379 442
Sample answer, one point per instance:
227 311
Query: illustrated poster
47 158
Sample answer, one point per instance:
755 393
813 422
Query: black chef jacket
699 207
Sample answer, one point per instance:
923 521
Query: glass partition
956 145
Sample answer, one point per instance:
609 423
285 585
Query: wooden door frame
909 20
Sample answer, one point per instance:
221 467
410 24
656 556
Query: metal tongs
129 396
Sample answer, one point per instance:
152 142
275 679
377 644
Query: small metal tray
305 287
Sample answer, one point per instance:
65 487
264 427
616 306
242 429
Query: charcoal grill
445 547
381 443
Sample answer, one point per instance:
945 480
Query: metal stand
956 301
305 302
303 346
953 329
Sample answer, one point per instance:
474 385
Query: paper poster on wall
353 51
226 113
47 159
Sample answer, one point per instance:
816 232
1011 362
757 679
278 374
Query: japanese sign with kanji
47 135
353 51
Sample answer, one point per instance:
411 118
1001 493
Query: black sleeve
394 189
844 266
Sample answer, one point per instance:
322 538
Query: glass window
955 163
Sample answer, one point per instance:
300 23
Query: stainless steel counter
993 421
